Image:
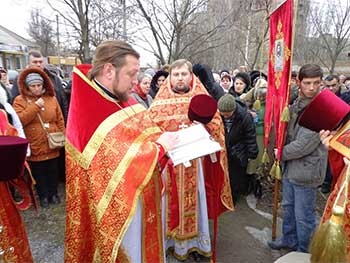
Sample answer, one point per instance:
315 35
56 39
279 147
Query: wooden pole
275 208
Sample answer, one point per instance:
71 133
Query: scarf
139 92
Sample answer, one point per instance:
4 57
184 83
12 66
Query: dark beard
122 97
185 89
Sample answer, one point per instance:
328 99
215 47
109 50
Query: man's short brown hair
111 51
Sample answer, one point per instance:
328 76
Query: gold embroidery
150 217
148 176
119 172
100 196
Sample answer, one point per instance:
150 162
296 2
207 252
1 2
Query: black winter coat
205 75
241 138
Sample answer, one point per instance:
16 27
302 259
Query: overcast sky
16 14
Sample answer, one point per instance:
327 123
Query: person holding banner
304 162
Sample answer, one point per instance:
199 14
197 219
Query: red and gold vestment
13 237
111 166
170 111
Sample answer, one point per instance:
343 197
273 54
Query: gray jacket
304 156
146 103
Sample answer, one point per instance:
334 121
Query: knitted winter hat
227 103
33 78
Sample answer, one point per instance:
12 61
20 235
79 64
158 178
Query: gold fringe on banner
278 172
257 105
273 170
265 157
285 116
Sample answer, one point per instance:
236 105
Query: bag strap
42 123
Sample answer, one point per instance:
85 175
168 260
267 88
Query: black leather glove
205 75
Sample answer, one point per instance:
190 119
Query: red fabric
202 108
14 234
214 182
328 105
5 127
164 161
279 68
162 158
94 228
13 150
174 206
336 164
82 123
11 160
139 92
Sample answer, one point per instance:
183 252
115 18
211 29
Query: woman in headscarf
142 89
40 113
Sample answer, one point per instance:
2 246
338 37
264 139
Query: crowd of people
125 200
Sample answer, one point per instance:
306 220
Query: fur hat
255 75
33 78
227 103
202 108
244 77
47 83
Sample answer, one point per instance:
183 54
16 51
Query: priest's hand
168 140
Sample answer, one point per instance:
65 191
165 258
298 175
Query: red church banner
279 69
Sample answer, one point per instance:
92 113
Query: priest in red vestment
331 241
203 188
13 238
114 155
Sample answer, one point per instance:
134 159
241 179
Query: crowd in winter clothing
37 103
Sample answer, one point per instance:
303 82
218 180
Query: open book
194 142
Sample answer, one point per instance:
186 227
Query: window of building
18 63
8 63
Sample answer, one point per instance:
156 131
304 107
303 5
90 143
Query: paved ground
242 234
